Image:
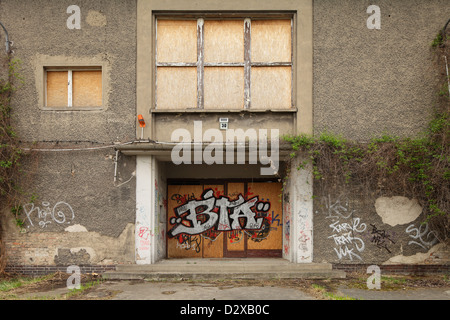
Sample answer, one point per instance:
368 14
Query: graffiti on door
214 215
233 219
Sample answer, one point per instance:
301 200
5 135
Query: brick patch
39 270
397 268
44 270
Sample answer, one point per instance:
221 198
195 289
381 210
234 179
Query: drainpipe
7 43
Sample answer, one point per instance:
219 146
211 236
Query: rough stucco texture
378 81
352 226
84 180
39 28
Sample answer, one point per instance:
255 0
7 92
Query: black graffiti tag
379 238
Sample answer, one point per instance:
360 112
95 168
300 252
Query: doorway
224 219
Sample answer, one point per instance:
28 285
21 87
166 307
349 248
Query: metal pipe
115 165
448 78
7 43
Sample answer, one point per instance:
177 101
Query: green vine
10 150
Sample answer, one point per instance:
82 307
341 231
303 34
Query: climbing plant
10 151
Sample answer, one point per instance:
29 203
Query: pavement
249 268
165 290
129 290
238 280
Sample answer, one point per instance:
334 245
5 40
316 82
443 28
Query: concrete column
300 188
144 244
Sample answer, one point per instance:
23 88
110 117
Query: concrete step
224 269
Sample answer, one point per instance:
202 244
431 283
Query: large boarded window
239 63
73 87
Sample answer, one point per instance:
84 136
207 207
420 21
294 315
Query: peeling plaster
96 19
418 258
76 228
397 210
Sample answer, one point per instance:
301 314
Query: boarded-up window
74 87
57 93
224 64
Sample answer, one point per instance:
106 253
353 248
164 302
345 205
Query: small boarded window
77 88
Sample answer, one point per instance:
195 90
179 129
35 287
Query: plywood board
57 88
224 41
182 246
176 41
271 87
213 240
87 88
270 237
224 88
236 238
271 41
176 87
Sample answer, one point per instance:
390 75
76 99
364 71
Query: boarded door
224 220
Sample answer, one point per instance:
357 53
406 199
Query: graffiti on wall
350 235
287 228
381 238
60 213
423 237
214 215
345 235
337 209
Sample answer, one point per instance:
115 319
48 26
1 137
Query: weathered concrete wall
40 34
367 83
74 211
353 226
376 80
166 124
72 202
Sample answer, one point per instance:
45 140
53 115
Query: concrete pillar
299 245
145 192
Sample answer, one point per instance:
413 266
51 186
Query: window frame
70 71
247 64
44 63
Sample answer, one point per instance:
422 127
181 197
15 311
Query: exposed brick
408 269
43 270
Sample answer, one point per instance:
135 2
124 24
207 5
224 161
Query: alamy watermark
227 147
74 281
374 281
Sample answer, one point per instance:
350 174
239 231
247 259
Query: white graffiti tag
418 233
344 238
60 212
337 209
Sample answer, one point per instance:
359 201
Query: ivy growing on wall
10 150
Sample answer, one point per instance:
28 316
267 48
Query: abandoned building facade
154 128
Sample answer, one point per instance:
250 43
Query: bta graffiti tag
218 215
58 214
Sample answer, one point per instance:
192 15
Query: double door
224 220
